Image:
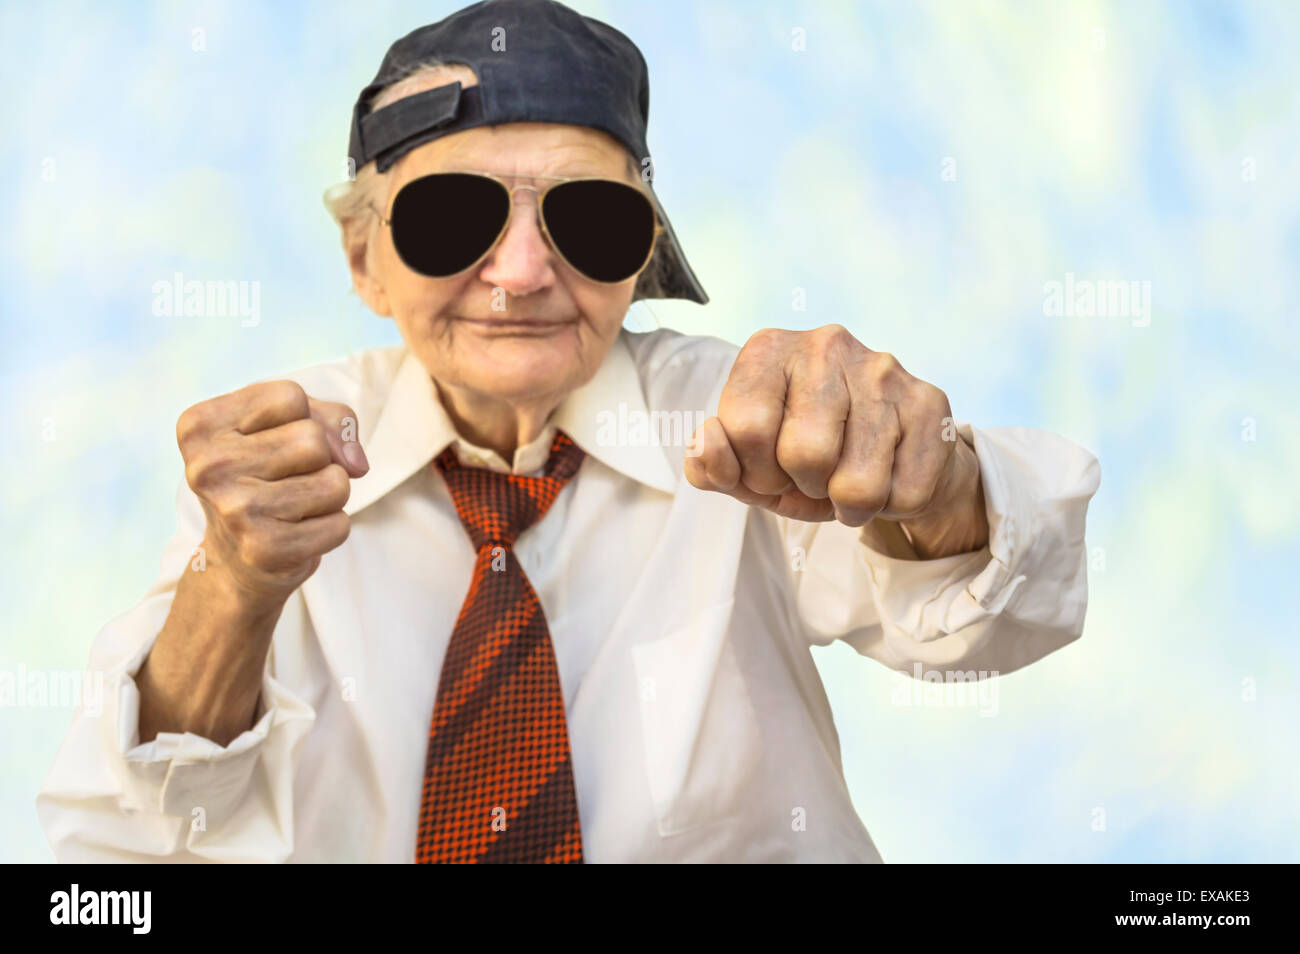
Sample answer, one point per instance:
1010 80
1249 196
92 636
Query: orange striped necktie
498 777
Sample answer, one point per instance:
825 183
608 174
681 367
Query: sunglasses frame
541 217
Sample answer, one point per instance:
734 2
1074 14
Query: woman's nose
521 262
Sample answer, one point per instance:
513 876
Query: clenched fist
273 469
813 425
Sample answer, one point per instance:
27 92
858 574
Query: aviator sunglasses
447 222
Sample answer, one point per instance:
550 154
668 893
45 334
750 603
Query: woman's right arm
159 766
204 672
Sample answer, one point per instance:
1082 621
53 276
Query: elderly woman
430 604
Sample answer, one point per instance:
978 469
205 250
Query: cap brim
669 275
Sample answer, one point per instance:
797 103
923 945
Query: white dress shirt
682 623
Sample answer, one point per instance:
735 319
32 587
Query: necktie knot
496 508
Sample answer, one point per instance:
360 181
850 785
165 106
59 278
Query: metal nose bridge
537 214
537 195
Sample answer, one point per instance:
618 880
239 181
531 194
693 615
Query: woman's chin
525 365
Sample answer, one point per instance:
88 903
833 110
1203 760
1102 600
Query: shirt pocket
699 726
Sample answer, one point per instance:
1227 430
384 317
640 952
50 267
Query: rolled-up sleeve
1015 600
178 797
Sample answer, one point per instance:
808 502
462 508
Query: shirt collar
413 428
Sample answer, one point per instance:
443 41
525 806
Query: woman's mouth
536 327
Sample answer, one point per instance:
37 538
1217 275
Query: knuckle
888 362
765 336
747 427
187 426
194 476
257 550
201 473
309 441
837 342
858 494
804 451
696 473
911 499
834 334
288 394
884 368
233 507
338 528
193 424
762 344
936 400
336 485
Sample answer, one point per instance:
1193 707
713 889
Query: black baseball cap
536 61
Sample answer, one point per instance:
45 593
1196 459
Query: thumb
341 430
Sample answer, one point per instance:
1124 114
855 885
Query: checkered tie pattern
498 778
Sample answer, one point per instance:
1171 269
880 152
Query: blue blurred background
921 172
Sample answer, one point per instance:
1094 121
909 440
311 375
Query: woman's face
520 326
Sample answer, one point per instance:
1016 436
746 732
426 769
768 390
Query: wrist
959 523
234 602
229 592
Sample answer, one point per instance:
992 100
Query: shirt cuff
924 600
179 773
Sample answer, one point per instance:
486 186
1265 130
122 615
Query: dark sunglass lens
443 223
604 229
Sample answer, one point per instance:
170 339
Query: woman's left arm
1019 597
926 542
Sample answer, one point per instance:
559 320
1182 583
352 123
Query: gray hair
352 203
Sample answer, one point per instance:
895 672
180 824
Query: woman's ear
356 245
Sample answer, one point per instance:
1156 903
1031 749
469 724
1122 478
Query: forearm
204 672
